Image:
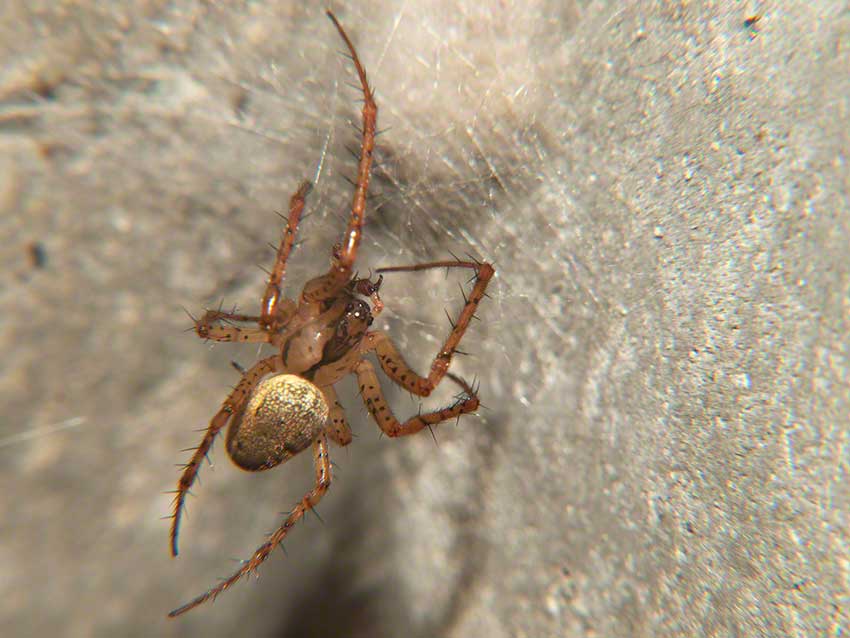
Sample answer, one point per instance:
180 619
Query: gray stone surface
664 358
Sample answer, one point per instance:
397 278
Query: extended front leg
270 315
217 325
310 500
344 254
351 241
232 405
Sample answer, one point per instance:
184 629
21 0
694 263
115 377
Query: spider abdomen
283 417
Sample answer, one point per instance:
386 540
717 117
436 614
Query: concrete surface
664 358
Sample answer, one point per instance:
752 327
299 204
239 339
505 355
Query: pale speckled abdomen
283 417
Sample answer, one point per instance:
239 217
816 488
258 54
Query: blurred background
663 188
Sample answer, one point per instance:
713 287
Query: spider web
661 193
175 159
454 156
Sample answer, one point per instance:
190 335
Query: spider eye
371 319
349 307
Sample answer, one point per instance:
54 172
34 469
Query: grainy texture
664 360
263 438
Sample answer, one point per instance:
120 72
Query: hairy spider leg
272 314
373 397
232 405
345 253
209 327
323 480
388 355
269 315
337 427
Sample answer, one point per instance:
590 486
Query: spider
286 403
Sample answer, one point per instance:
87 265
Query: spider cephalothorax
286 403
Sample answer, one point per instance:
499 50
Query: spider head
353 324
357 317
355 321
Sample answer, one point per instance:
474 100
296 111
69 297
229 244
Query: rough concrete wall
664 358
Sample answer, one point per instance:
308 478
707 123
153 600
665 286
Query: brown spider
286 402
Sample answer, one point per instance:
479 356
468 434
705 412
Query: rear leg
337 426
232 405
310 500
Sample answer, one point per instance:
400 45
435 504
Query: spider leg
394 365
232 405
345 253
388 355
348 251
310 500
269 306
337 427
210 327
273 308
370 390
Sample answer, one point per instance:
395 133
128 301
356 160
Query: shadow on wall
333 604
